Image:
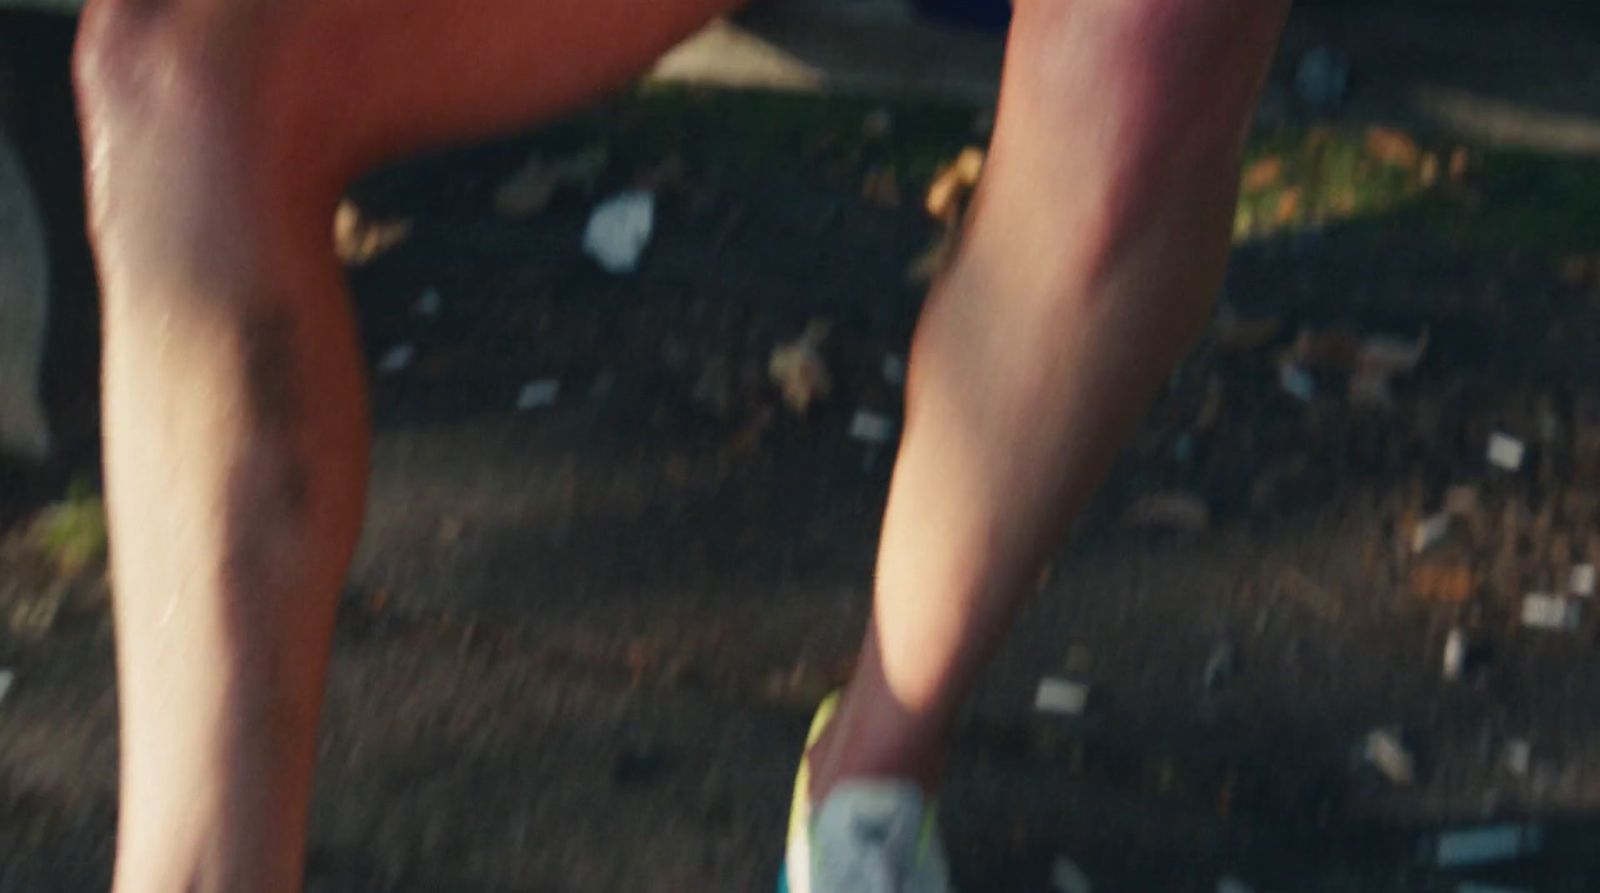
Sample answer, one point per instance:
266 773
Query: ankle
865 743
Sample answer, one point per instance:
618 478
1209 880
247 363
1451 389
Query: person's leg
219 135
1097 239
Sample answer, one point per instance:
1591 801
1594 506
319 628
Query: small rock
1061 697
1429 532
1580 581
877 124
538 394
1455 654
1067 877
396 359
1183 512
1485 845
871 428
1552 612
1505 452
1297 382
430 303
619 229
1384 752
1519 757
893 369
797 368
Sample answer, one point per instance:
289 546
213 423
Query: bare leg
219 135
1098 236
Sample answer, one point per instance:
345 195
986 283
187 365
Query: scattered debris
1262 174
1179 511
619 229
1062 697
877 124
799 371
893 369
1322 78
948 192
927 266
397 358
1580 581
1221 666
1232 332
1067 877
1430 531
1455 654
1553 612
1484 845
881 187
1519 757
1384 752
1392 147
1505 452
538 394
871 428
7 679
430 303
530 188
1447 578
358 240
1297 382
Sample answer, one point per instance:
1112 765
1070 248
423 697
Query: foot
868 835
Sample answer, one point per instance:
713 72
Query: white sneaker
869 836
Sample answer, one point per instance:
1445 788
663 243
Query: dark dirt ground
580 645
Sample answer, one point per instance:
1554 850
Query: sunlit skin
220 134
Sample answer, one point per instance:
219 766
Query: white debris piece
1485 844
396 359
1297 382
1232 885
1544 611
619 229
1061 696
1455 654
1384 752
1581 581
1429 532
871 428
1067 877
7 677
1505 451
538 394
1519 757
430 303
894 369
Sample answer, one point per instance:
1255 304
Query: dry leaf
1184 512
881 187
530 189
1261 174
927 266
797 368
1392 147
358 239
950 188
1445 579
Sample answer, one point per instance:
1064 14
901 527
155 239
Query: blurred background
1333 610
